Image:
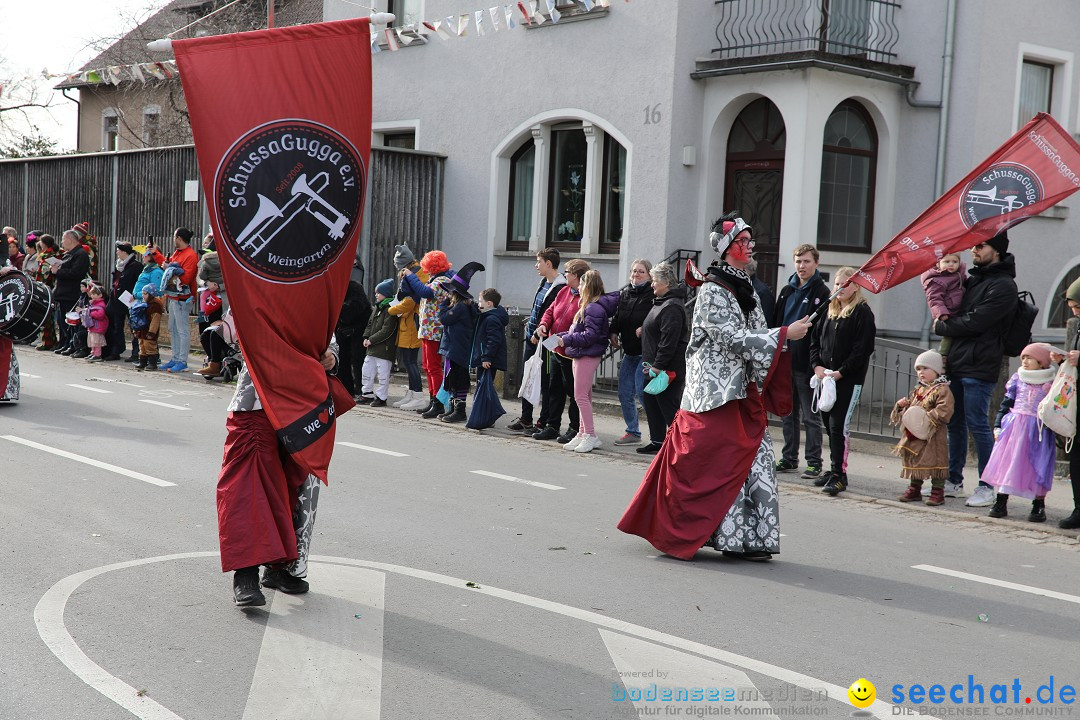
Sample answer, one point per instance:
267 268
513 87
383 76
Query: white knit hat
932 360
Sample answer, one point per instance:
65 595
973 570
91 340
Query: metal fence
862 28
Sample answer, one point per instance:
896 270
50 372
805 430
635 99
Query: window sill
417 40
1056 212
570 16
566 255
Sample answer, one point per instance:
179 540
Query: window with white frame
110 130
1036 90
566 187
408 12
151 126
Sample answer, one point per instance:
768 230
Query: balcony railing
858 29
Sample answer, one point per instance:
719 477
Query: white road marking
639 662
28 375
391 453
1000 583
174 407
90 461
321 654
511 478
84 387
49 618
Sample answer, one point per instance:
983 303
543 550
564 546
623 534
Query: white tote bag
530 378
1057 411
824 393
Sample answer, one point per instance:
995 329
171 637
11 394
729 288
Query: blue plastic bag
486 407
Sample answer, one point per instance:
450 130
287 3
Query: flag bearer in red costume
266 501
713 482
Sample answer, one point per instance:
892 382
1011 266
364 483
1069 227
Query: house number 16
652 114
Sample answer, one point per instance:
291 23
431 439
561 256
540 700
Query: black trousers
1074 473
660 409
115 344
545 382
351 354
561 388
836 423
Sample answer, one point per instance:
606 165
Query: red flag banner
282 126
1037 168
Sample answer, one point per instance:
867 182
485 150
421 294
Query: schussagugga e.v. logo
1004 187
290 195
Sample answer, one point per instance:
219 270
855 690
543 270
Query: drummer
9 363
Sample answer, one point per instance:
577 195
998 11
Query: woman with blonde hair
841 347
585 343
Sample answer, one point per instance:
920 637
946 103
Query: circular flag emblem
1004 187
290 194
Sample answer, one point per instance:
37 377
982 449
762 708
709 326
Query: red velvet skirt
693 480
256 493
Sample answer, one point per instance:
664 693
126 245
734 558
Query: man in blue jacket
805 293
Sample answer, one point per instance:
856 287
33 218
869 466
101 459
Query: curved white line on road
49 618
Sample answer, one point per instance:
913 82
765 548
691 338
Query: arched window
848 169
519 222
1059 313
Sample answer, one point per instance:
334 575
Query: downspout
943 129
78 116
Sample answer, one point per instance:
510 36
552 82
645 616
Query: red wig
435 263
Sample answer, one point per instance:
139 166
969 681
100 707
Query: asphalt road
115 606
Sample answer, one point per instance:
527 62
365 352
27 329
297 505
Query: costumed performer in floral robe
713 481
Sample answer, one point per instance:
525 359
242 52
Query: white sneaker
402 401
419 401
955 490
982 497
588 444
572 445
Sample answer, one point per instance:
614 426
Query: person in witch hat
459 324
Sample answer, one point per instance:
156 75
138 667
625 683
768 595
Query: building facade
621 132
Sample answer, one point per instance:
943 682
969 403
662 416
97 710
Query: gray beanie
403 257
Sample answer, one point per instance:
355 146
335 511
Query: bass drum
25 305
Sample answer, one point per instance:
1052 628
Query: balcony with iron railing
856 36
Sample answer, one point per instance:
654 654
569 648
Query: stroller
231 359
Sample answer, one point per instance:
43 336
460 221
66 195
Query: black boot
280 579
143 360
153 362
246 592
1001 507
1072 522
1038 510
435 410
457 414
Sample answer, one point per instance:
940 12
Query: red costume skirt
5 363
693 480
256 492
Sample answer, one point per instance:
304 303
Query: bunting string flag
1035 169
285 173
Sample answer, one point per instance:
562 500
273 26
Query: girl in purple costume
1022 462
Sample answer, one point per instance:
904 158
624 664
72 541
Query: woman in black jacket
635 301
124 276
664 336
841 346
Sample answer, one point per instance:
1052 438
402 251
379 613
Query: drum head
24 306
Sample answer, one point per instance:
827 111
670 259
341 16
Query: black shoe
246 592
1001 507
566 436
434 411
836 484
111 358
520 425
1038 512
650 449
80 354
548 433
823 479
785 466
378 402
457 414
283 581
432 403
365 400
754 555
132 359
1072 522
63 351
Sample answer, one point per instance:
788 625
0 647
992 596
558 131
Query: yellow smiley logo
862 693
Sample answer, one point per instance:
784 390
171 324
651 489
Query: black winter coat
124 280
845 344
489 339
816 298
459 324
666 332
988 307
68 277
355 313
634 305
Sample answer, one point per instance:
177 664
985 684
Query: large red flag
282 126
1038 167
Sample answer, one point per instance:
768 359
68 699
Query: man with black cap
124 277
990 300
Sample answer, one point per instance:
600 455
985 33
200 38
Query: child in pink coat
95 336
944 288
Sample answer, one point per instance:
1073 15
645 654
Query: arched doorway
754 180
